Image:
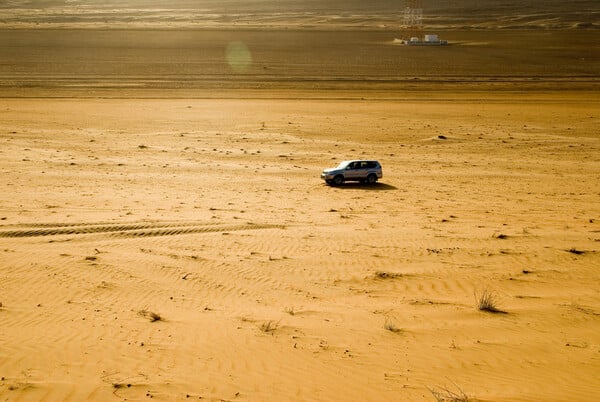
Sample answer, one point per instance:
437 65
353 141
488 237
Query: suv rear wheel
371 179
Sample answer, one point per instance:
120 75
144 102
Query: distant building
413 27
428 40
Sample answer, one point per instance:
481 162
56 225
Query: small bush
268 326
390 325
486 301
151 315
447 395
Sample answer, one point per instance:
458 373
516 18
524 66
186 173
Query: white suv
359 170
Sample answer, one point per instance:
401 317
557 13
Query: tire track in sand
82 299
129 230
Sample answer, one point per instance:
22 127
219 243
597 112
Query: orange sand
271 285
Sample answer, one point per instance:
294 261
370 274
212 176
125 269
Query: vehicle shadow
362 186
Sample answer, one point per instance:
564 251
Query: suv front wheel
338 180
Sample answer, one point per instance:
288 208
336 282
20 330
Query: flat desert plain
184 248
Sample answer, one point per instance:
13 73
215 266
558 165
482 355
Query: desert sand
311 14
165 234
268 284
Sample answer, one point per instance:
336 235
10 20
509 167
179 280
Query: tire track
131 230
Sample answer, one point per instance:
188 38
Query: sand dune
186 249
330 15
189 64
164 232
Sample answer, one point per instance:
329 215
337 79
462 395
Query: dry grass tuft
268 326
486 301
390 325
445 394
151 315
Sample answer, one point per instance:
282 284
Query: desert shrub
486 301
151 315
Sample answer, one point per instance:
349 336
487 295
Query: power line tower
413 19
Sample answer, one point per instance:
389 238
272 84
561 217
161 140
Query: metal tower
413 19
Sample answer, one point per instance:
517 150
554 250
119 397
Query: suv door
351 171
362 171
